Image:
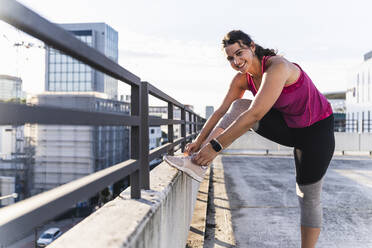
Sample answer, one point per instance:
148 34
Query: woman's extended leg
312 157
311 212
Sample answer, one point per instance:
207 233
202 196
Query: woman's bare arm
273 81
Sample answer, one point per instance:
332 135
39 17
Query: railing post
190 125
170 127
198 123
144 136
134 143
194 124
183 128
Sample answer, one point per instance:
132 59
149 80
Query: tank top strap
250 84
263 63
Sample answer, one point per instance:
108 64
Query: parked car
48 237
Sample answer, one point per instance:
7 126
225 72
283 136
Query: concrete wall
344 142
161 219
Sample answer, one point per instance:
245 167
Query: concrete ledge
160 219
199 219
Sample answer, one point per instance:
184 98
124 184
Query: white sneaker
185 164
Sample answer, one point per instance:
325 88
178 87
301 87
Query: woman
287 109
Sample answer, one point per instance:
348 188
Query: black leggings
313 146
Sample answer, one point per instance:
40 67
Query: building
162 112
338 103
359 98
65 74
10 88
209 110
11 137
14 161
64 153
7 189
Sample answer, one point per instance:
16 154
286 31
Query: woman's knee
240 105
236 109
310 204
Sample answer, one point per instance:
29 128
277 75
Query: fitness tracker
216 145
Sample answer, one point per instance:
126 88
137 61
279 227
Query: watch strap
217 147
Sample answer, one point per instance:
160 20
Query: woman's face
240 56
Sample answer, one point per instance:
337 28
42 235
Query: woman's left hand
205 156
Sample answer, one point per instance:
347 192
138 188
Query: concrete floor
264 206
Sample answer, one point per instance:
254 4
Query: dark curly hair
238 36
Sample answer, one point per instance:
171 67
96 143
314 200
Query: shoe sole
188 172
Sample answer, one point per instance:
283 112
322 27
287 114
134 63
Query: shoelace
204 167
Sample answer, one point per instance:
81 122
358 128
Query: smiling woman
287 109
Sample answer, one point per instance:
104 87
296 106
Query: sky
176 45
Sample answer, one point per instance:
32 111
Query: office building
338 103
359 98
64 153
65 74
10 88
14 161
209 110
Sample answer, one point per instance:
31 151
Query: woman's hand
192 148
205 156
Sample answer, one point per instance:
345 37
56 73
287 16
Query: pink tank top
301 103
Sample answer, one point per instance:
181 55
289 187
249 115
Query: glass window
89 76
63 58
58 58
82 67
58 77
88 87
76 86
69 87
69 77
82 76
58 87
63 67
70 67
81 86
89 39
63 86
76 77
76 67
52 58
58 67
52 87
52 67
64 77
52 77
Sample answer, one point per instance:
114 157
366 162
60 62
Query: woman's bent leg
236 109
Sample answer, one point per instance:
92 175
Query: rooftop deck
264 208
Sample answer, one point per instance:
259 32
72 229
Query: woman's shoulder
278 62
275 60
240 81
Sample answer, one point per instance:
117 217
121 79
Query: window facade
10 88
65 74
68 74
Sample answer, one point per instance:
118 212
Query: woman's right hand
191 148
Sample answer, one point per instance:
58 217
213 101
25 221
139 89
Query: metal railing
20 218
